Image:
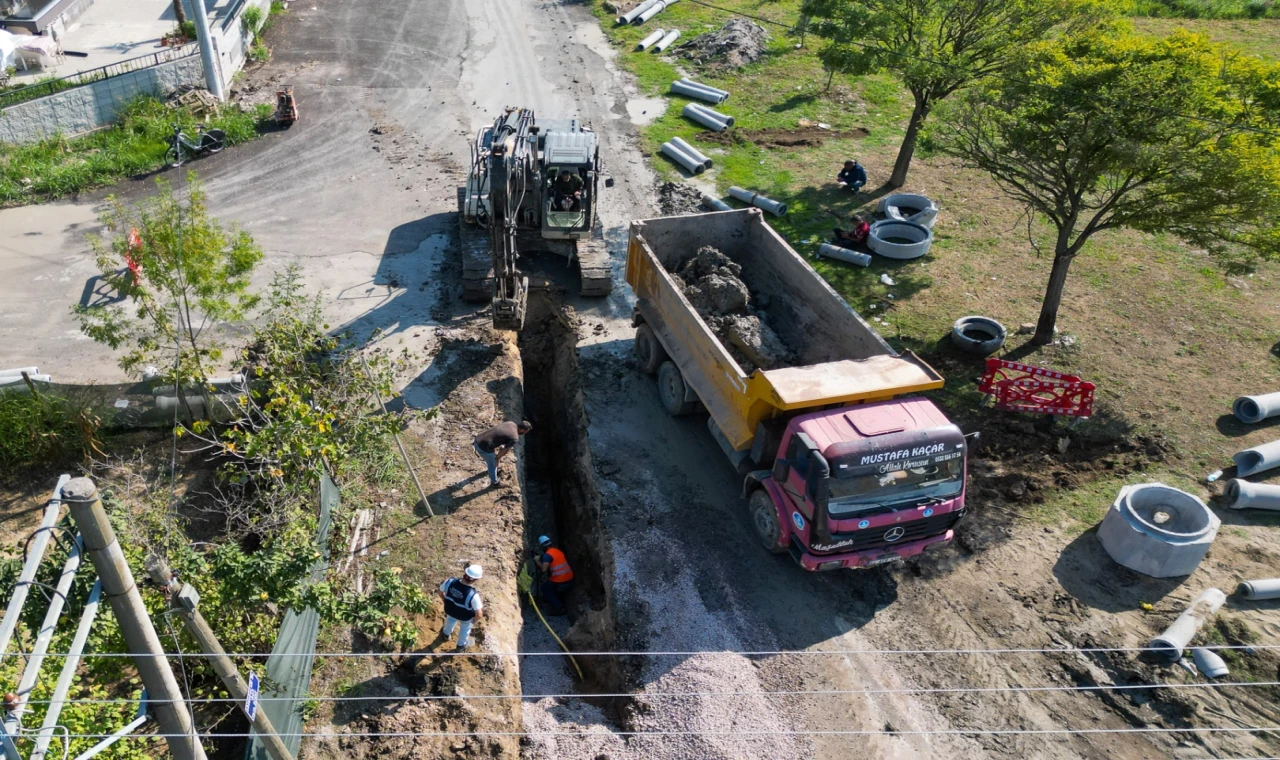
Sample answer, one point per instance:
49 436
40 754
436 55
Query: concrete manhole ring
1158 530
896 239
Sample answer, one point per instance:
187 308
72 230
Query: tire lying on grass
980 336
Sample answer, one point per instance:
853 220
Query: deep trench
561 499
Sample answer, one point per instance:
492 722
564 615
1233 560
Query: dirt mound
734 45
679 199
712 284
800 137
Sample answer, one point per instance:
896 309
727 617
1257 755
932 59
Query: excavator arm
510 166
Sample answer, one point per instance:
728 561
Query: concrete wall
88 107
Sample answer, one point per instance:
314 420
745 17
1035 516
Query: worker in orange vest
557 575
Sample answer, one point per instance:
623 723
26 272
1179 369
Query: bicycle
210 141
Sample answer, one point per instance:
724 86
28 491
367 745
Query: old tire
671 389
764 521
649 352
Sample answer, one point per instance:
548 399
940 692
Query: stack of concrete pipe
11 379
692 152
631 15
691 89
759 201
653 10
666 40
652 39
713 120
688 162
1254 409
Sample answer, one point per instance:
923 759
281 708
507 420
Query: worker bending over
496 442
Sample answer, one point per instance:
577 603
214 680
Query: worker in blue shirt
852 177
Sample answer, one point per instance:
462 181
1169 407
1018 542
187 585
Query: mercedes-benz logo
894 533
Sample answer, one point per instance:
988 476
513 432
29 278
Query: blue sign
798 519
251 699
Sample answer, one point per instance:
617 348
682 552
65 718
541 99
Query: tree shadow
795 101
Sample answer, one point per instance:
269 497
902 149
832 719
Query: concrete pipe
829 251
1260 590
1257 459
635 12
1209 663
690 164
724 94
17 379
908 207
666 40
651 39
895 239
1176 637
693 152
709 94
715 203
723 117
1251 409
17 371
689 91
980 336
759 201
1241 494
653 10
691 112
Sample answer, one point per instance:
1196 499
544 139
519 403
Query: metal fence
51 86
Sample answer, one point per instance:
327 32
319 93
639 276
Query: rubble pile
679 199
734 45
713 285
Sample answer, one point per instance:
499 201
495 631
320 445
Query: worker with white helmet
462 605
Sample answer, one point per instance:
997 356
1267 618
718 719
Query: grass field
1260 37
1168 339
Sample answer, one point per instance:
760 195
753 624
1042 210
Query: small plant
259 52
188 29
251 21
37 427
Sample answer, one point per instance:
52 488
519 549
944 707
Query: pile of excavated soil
801 137
712 283
732 46
679 199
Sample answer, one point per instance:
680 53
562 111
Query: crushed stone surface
734 45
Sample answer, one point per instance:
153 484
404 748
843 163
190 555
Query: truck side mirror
819 473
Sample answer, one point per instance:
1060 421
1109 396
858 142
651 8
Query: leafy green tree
1099 132
181 274
936 46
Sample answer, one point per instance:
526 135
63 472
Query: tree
936 46
1098 132
182 274
179 13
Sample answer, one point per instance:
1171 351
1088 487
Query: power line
724 732
700 694
982 75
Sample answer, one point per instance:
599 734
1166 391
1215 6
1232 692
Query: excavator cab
573 150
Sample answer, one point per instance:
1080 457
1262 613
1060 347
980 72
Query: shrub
39 428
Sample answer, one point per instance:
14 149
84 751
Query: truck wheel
764 521
672 390
649 352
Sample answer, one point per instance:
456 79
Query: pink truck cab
861 486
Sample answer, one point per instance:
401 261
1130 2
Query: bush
251 21
188 29
38 428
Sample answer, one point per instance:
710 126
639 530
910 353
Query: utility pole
208 53
81 496
186 603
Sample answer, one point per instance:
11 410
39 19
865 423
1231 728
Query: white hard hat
475 572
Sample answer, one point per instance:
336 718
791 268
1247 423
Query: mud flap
741 460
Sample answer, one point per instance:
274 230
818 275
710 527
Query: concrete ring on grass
896 239
1158 530
980 336
909 207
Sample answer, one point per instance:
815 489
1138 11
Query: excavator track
593 264
477 263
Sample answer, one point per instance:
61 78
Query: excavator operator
567 191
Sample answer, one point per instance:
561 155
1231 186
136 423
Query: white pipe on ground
693 152
1241 494
631 15
1251 409
1209 663
653 10
1257 459
17 379
722 117
691 112
1176 637
715 203
17 371
651 39
1260 590
689 91
759 201
827 250
666 40
690 164
724 94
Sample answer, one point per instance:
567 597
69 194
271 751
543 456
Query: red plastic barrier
1026 388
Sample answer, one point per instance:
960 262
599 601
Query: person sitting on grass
852 177
855 237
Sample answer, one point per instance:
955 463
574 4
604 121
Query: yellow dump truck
842 467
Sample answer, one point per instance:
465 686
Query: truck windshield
863 491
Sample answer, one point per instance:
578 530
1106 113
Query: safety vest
559 572
457 600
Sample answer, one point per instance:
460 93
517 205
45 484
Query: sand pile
713 284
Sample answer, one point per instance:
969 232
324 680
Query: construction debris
679 199
734 45
713 285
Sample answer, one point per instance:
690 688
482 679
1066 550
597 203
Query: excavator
512 204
